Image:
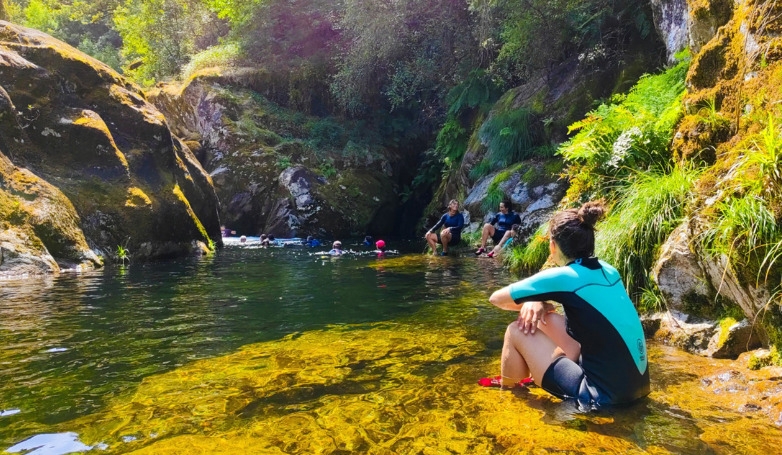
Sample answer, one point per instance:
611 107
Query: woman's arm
438 224
530 313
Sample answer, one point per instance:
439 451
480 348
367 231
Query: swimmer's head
380 244
336 244
243 239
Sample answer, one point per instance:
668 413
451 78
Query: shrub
509 137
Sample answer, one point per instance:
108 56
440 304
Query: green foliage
757 362
283 162
123 255
102 49
236 12
746 231
509 137
494 195
44 16
483 168
537 34
745 225
478 91
532 256
647 211
650 300
327 133
403 55
631 133
219 56
451 143
327 169
163 34
766 156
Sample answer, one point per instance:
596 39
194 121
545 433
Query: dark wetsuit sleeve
438 224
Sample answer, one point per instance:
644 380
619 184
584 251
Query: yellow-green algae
409 387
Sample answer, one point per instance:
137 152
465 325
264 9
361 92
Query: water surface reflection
270 351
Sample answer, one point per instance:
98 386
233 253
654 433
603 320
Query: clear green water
279 351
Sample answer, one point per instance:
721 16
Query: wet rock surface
87 164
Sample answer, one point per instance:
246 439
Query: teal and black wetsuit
613 367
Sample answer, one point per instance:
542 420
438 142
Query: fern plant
630 133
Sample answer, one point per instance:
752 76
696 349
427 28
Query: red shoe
496 381
480 251
491 254
490 382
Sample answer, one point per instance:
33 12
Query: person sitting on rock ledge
500 229
451 234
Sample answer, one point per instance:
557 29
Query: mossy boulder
99 150
279 171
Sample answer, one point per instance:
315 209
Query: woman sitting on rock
596 353
453 221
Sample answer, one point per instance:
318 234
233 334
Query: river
280 350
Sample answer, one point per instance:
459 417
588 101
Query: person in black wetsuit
596 353
499 228
453 220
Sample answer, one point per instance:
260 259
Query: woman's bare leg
488 231
525 354
431 239
556 329
445 239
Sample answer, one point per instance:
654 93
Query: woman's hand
530 314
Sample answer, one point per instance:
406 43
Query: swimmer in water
336 249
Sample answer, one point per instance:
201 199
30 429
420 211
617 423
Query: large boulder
276 171
86 163
678 273
671 18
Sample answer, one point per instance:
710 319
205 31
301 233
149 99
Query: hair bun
591 212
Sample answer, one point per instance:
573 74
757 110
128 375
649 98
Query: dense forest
393 61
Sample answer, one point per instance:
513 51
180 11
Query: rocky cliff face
87 164
729 131
272 171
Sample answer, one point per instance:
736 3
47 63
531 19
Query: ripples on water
257 347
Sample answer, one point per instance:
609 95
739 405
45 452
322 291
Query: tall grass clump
746 231
631 133
642 219
531 257
494 193
747 225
